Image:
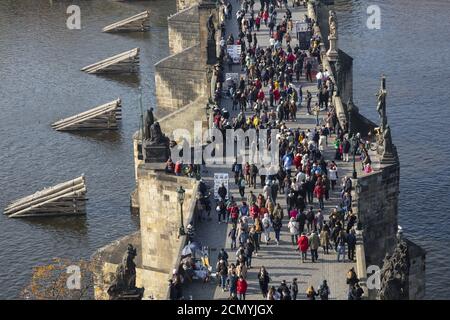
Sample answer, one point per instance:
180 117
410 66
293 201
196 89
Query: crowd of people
267 95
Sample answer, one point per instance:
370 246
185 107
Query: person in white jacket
333 175
267 225
293 229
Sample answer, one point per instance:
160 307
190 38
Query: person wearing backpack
277 224
301 220
253 174
248 250
294 289
266 224
232 236
324 291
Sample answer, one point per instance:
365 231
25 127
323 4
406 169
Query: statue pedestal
332 53
155 152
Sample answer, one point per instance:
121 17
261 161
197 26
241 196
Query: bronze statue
394 274
148 122
157 137
124 284
381 106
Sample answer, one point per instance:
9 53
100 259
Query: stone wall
416 276
376 201
183 4
106 261
160 223
183 30
180 79
375 195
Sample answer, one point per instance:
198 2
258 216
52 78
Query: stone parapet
180 79
183 29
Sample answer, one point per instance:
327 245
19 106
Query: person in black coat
263 279
222 192
351 244
294 289
301 219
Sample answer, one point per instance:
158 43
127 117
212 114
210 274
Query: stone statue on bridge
386 148
332 52
148 122
394 274
124 285
333 24
381 106
157 136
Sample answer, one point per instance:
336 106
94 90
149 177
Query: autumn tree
62 279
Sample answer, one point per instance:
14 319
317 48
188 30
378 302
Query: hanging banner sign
220 178
234 51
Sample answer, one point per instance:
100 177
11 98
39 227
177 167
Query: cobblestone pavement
282 261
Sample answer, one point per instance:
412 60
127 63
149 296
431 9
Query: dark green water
412 49
40 83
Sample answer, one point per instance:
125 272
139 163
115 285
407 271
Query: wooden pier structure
125 62
138 22
67 198
104 117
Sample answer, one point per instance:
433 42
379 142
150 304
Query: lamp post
358 190
353 137
181 192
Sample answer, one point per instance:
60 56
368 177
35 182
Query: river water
40 83
412 50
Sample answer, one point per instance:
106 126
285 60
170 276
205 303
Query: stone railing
337 102
190 216
361 269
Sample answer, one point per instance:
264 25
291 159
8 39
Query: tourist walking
241 288
263 279
324 291
294 289
293 230
340 241
303 245
314 246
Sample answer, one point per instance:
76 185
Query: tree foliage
56 280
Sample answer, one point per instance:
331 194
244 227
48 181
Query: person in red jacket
319 192
178 168
297 161
261 96
303 245
265 17
276 96
234 213
254 211
241 288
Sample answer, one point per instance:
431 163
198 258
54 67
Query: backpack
324 292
